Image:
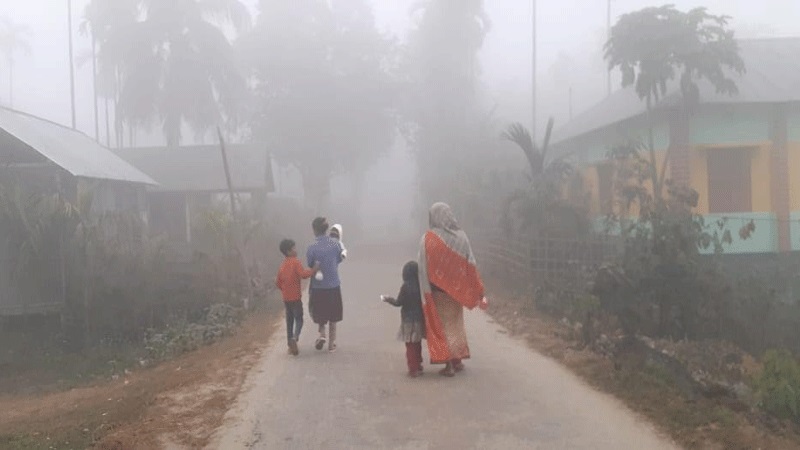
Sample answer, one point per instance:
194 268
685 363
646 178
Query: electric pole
608 36
533 70
71 65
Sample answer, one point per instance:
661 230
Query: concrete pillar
779 175
680 147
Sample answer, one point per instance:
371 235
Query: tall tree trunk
94 88
356 221
316 187
108 124
238 229
119 127
11 81
71 64
651 147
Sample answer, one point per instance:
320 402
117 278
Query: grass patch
37 441
31 364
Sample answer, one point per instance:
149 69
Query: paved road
359 398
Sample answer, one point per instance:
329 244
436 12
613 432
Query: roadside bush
660 286
220 321
778 385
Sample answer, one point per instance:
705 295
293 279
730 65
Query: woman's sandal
458 367
447 372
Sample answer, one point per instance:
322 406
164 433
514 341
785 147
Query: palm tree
13 39
542 170
111 25
170 60
541 207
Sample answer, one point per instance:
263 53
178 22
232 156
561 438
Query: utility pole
94 88
608 36
533 70
237 226
71 64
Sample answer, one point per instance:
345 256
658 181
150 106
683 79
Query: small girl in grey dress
412 324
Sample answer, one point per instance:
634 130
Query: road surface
509 397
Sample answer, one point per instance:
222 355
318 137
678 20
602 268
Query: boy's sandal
320 343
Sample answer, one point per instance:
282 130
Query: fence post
531 274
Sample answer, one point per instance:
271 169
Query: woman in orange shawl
449 282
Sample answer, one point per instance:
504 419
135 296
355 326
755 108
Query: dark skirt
325 305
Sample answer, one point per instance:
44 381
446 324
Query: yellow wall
760 178
794 174
591 182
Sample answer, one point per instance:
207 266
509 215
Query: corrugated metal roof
773 76
70 149
200 169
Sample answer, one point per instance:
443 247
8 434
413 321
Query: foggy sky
572 27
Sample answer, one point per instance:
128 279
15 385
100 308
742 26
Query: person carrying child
325 292
289 282
412 324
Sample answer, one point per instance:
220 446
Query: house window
605 187
729 182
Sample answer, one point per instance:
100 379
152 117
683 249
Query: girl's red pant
414 356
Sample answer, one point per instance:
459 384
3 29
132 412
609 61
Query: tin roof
70 149
772 76
200 169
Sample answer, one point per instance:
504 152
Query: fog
573 28
158 189
571 75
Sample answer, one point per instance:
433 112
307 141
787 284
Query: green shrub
220 321
778 385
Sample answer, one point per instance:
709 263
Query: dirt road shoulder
177 403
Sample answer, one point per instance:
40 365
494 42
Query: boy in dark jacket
412 324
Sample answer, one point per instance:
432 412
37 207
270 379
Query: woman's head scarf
441 216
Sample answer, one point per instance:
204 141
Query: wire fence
525 264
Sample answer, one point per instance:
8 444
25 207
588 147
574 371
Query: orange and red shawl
446 261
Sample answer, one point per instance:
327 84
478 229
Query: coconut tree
171 61
14 39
